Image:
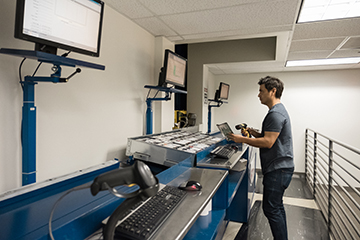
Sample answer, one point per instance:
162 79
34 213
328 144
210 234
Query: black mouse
233 146
190 186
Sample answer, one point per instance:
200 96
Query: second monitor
173 70
223 92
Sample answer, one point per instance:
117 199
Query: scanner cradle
139 173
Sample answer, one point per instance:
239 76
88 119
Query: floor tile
304 223
231 230
298 187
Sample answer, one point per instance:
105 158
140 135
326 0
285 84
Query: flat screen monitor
223 92
73 25
173 70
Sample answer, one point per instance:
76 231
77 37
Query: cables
37 69
22 86
66 54
84 186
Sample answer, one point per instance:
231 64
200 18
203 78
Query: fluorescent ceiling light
329 61
320 10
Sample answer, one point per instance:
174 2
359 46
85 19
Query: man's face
264 95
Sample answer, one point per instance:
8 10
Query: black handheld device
242 127
139 173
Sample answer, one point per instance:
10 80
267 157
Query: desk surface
223 163
181 220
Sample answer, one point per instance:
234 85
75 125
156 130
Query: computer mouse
190 186
233 146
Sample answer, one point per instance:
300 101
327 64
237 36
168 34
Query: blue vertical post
149 117
209 118
28 133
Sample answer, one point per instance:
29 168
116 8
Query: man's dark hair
272 82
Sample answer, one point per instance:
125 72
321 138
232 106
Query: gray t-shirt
280 155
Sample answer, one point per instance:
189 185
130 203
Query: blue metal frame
219 103
149 112
28 134
79 214
149 100
50 58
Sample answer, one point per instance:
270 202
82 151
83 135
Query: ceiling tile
131 9
246 67
316 44
189 21
232 18
175 38
236 34
346 53
155 26
327 29
308 55
167 7
215 70
353 42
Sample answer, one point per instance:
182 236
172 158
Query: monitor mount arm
149 100
29 119
218 104
55 77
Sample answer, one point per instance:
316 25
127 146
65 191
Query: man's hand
253 132
261 142
236 138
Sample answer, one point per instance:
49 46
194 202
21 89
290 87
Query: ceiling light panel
320 10
329 61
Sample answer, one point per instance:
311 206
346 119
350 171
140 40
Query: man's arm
261 142
253 132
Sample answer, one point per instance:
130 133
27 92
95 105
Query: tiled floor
306 221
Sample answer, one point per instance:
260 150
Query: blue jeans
275 183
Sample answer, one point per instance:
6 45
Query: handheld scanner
139 173
243 126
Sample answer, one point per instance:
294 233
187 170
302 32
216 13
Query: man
276 153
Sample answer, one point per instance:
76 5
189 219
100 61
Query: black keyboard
144 221
223 152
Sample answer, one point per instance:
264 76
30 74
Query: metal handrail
344 145
340 208
358 180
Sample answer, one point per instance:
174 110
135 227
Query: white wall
209 83
162 121
86 121
325 101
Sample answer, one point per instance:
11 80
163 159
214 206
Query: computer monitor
73 25
173 70
223 92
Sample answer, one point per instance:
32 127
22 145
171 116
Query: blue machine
28 136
